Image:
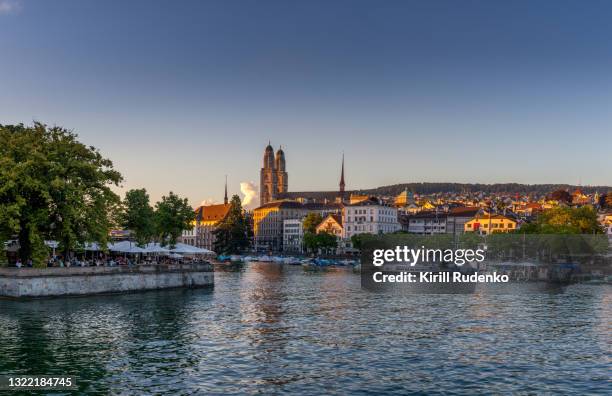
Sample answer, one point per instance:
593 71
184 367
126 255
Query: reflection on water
273 328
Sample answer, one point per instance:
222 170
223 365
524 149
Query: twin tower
274 179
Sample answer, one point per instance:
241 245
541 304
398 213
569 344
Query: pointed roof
342 176
225 197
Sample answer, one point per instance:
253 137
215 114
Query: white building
425 223
189 236
369 217
293 235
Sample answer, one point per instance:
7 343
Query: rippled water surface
275 329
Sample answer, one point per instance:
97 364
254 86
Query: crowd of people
105 260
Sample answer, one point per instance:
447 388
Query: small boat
264 258
291 260
236 258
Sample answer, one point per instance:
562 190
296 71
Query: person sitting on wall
18 263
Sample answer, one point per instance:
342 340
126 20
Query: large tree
232 233
173 215
565 220
52 187
137 215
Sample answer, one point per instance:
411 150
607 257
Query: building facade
369 217
332 224
490 224
424 223
268 220
293 236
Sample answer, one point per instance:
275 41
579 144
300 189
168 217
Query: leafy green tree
52 187
326 241
565 220
173 215
232 235
322 241
138 216
311 221
357 241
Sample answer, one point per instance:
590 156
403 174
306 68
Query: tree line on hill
497 188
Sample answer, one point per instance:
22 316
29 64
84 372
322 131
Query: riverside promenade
77 281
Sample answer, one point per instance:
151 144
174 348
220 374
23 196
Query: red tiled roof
212 212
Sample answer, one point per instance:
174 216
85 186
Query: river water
273 329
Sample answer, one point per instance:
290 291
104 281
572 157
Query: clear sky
180 93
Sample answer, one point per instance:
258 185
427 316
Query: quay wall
75 281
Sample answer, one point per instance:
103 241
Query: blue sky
180 93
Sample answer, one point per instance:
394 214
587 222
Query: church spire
342 179
225 198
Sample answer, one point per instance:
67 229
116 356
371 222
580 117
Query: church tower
281 173
341 194
225 197
268 177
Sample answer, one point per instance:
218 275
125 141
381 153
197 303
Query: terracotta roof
338 218
212 212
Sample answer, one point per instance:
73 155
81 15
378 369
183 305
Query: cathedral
274 182
273 176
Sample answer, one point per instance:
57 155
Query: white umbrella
188 249
92 247
125 247
155 248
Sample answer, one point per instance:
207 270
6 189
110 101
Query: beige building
332 224
490 224
208 218
268 220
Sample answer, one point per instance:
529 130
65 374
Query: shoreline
26 283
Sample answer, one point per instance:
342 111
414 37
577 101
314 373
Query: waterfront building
332 224
189 237
490 223
369 217
293 235
268 220
207 218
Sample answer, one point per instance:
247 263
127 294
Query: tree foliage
138 216
311 221
561 196
173 215
232 233
565 220
323 241
52 187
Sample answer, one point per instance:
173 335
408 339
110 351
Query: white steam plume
251 195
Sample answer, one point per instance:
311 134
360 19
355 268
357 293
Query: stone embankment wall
73 281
